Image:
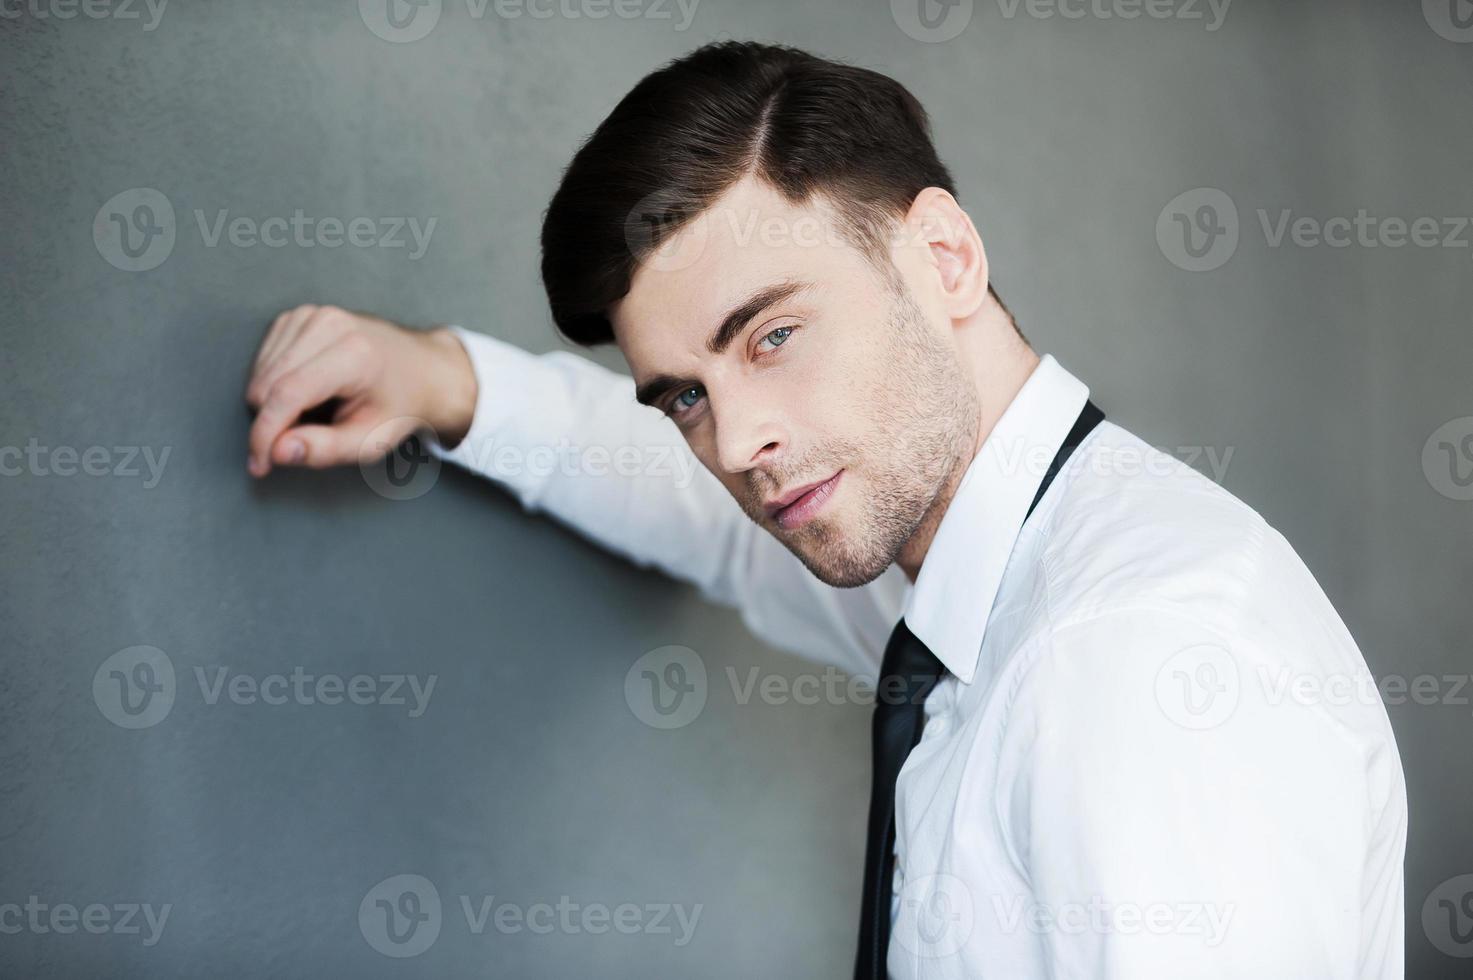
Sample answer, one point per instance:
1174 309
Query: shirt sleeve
566 437
1173 818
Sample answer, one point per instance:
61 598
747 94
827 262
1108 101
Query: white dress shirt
1157 753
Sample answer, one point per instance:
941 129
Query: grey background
1323 370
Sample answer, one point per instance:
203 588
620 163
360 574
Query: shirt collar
949 604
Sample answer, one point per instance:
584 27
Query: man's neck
998 361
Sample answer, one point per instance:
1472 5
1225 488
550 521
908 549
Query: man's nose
747 435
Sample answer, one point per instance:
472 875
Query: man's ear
942 235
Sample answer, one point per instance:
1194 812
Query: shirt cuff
504 378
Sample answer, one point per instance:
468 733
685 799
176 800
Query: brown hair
691 129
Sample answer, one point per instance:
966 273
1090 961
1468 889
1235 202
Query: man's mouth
795 507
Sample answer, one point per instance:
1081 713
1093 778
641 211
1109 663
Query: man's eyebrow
731 325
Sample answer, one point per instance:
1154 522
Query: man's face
830 378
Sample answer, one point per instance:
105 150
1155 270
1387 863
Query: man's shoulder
1137 526
1137 531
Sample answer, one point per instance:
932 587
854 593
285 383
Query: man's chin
832 563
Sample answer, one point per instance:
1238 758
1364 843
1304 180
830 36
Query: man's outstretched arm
566 437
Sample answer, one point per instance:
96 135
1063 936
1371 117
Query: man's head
772 242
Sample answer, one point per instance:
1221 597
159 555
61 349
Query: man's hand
377 372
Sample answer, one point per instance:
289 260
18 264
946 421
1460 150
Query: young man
1093 756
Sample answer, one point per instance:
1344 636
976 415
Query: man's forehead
749 238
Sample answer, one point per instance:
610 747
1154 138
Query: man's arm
566 437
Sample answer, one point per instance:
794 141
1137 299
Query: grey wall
1323 371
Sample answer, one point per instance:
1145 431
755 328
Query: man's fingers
333 373
294 337
306 345
283 328
321 446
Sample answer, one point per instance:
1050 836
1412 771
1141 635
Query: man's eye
686 399
777 336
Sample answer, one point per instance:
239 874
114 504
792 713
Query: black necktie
907 674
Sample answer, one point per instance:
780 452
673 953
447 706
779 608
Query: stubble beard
924 420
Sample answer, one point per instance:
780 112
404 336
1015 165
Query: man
1094 753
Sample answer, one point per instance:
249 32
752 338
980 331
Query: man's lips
794 507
